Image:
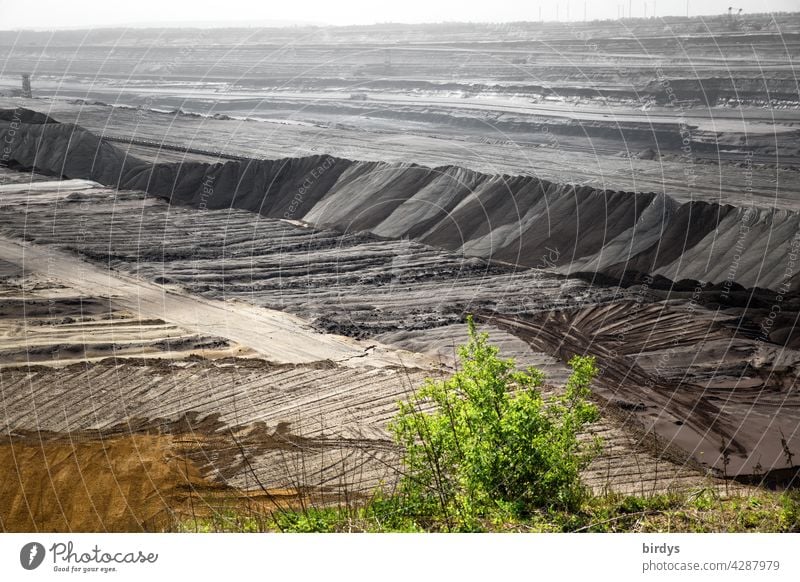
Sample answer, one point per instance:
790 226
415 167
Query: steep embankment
516 219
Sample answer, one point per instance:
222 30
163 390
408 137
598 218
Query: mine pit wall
523 220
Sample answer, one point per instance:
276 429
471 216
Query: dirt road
275 335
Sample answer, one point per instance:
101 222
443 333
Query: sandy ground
533 147
236 429
189 436
120 483
43 322
698 376
93 443
272 334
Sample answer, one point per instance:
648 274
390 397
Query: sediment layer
522 220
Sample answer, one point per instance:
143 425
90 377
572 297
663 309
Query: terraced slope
701 380
191 436
520 220
355 283
183 438
44 321
713 381
709 59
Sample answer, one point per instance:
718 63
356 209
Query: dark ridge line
470 205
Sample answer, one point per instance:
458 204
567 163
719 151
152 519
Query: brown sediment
130 483
123 483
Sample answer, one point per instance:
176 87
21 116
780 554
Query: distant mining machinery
26 85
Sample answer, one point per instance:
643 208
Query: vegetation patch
485 451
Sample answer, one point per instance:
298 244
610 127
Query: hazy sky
46 14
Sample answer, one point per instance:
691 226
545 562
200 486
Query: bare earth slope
713 382
514 219
221 264
274 335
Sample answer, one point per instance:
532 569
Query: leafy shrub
485 442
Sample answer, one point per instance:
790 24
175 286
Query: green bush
486 443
